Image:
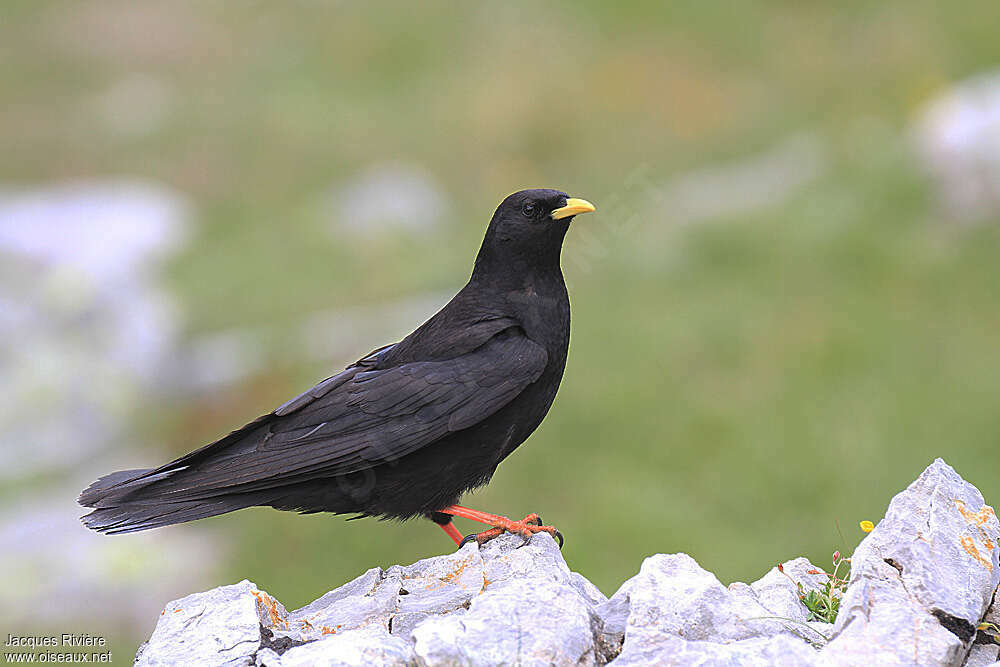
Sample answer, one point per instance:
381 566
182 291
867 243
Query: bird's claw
526 528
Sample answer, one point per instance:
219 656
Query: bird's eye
528 210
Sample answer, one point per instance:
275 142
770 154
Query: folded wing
355 420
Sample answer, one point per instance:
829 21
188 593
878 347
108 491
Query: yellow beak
573 206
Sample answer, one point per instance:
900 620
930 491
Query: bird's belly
437 475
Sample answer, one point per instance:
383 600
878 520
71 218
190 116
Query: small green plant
990 630
824 604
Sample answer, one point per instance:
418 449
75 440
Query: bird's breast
544 314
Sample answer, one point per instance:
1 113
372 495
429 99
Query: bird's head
528 228
530 212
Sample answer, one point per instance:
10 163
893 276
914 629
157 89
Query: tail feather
128 501
113 485
130 518
132 500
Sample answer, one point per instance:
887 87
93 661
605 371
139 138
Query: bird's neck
518 274
508 265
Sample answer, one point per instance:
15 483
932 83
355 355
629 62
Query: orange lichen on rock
267 603
456 573
979 518
327 630
451 577
970 548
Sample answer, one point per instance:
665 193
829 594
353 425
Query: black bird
406 430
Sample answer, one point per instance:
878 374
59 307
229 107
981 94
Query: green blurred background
776 323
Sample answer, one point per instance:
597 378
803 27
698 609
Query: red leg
526 527
452 532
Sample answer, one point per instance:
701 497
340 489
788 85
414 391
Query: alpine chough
406 430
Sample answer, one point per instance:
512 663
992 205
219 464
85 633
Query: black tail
131 500
128 501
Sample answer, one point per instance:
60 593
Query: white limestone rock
923 579
218 627
921 583
957 137
673 598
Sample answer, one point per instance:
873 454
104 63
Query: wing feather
365 416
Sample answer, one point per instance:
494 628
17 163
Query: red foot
526 527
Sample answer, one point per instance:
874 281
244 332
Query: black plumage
409 428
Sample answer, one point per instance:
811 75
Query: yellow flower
867 526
